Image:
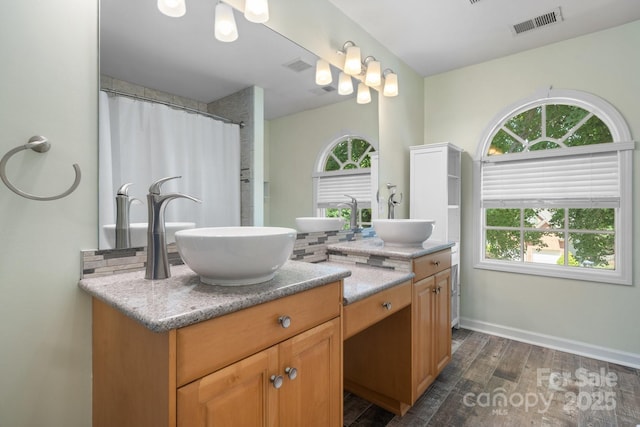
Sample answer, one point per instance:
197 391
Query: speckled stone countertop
375 246
182 300
367 281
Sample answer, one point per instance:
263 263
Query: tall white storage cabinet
435 194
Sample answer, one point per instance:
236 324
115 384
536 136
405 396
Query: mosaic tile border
308 247
98 263
378 261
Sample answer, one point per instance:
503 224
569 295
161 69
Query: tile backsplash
309 247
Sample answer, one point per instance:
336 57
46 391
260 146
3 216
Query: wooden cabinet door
313 396
442 320
239 395
423 319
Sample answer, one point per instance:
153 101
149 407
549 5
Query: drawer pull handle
285 321
437 290
292 373
387 305
276 380
436 263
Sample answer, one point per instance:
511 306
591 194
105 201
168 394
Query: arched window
344 168
553 189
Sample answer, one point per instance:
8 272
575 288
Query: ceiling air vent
473 1
323 89
553 17
297 65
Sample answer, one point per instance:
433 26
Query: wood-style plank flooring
493 381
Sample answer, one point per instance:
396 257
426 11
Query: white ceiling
181 56
433 36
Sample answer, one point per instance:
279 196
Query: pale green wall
458 106
295 141
49 86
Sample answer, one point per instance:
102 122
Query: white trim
557 343
560 152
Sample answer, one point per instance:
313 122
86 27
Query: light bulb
372 78
225 23
390 85
364 95
345 85
256 11
352 64
323 73
172 8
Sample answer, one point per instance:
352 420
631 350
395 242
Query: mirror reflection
262 79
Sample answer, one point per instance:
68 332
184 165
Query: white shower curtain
141 142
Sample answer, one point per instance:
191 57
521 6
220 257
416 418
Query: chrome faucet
123 205
157 256
392 202
353 217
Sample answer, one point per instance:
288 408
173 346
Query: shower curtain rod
169 104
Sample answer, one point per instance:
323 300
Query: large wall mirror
179 61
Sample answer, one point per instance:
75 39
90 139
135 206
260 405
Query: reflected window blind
588 180
331 190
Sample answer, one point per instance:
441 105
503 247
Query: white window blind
580 180
331 189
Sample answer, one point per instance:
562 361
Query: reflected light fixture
364 95
390 83
172 8
256 11
352 61
345 84
323 73
225 24
372 77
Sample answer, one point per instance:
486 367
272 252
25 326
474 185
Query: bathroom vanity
397 341
177 352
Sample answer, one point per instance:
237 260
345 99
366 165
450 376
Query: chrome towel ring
39 144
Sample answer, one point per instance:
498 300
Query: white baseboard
577 347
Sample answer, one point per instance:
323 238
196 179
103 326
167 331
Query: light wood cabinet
223 371
392 362
291 384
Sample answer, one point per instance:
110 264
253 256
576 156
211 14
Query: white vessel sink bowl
403 232
310 224
139 232
232 256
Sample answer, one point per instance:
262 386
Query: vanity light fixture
345 84
364 95
323 73
390 83
172 8
225 23
352 61
372 76
256 11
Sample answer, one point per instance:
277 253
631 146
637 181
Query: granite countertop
375 246
367 281
182 300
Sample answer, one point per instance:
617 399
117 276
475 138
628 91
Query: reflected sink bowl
139 232
232 256
310 224
403 232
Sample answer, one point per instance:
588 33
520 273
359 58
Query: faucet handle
155 186
124 189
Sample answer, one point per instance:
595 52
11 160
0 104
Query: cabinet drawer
364 313
201 351
431 264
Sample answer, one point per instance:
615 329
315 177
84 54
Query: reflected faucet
157 256
392 202
123 205
353 217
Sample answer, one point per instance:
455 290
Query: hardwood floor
493 381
